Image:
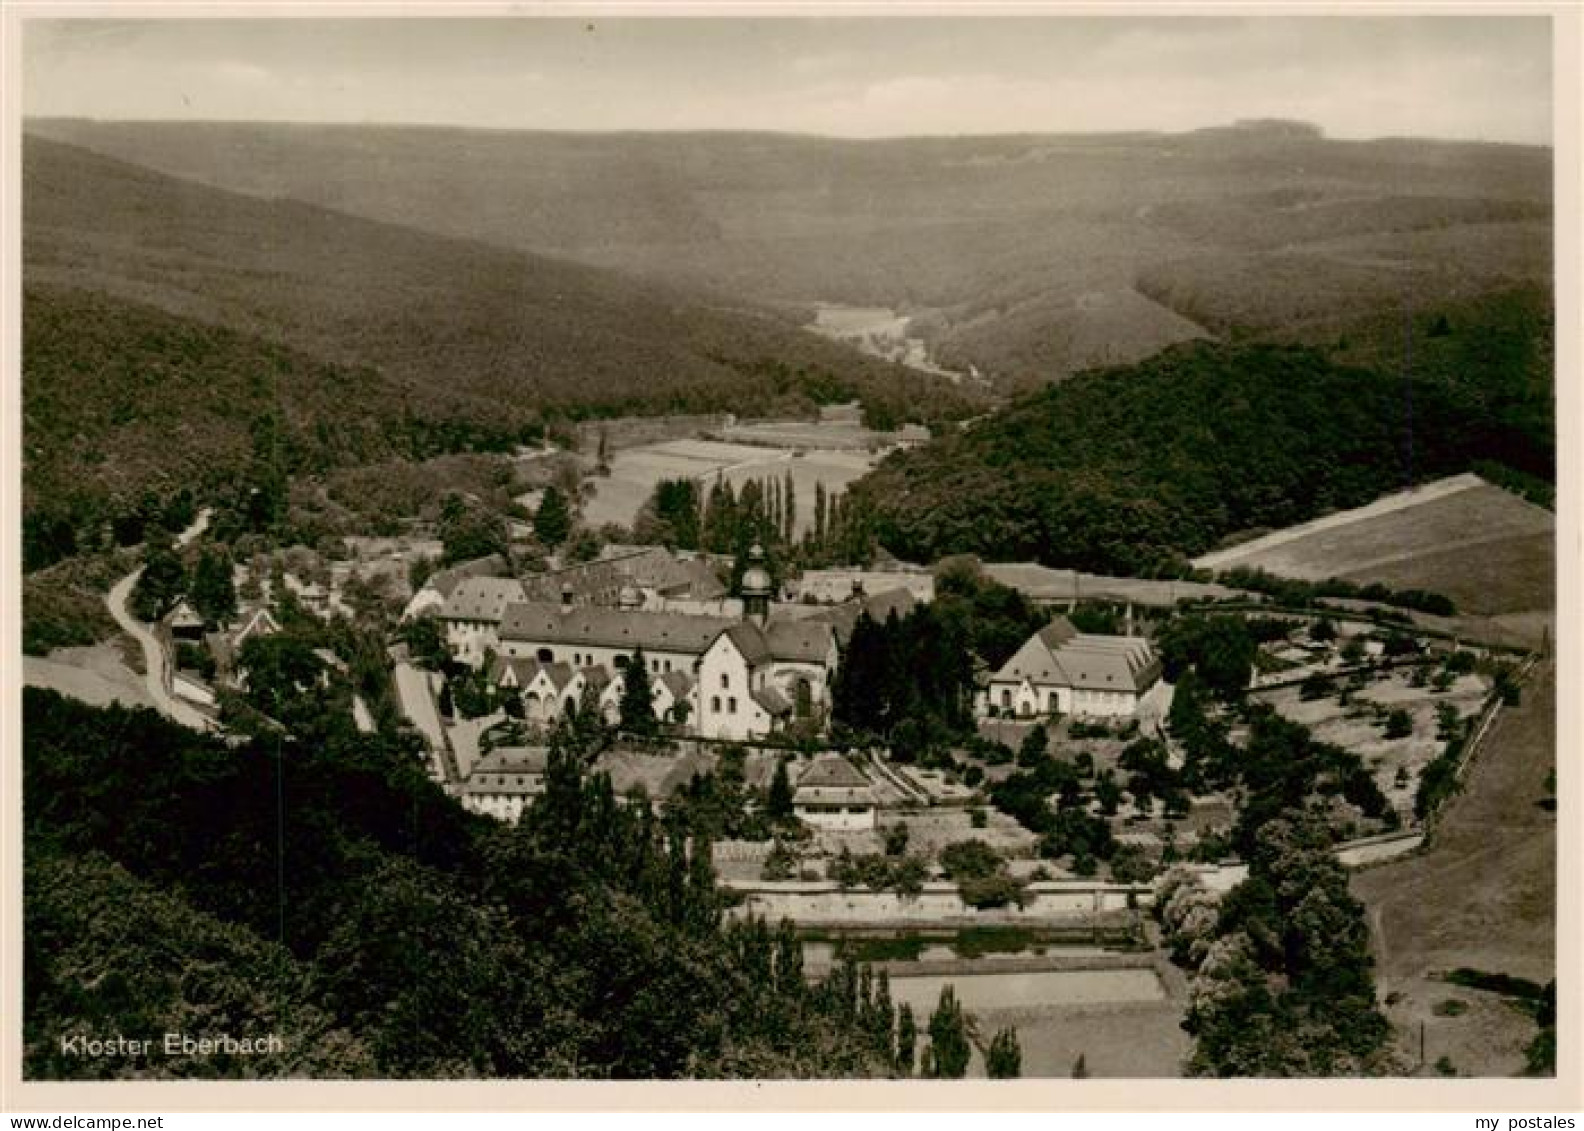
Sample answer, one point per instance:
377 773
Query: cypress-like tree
637 699
779 802
1004 1061
949 1037
553 520
788 509
906 1039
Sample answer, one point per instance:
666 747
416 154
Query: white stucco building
472 615
505 781
1060 670
834 795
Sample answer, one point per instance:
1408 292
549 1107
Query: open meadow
1488 550
1483 895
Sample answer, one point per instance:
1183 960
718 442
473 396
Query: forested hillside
1135 469
462 328
326 891
1030 257
124 406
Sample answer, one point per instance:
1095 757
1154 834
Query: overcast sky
1436 76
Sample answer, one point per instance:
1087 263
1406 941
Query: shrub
1399 724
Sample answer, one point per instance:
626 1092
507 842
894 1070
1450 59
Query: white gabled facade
1062 671
727 705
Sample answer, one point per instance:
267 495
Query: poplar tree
949 1037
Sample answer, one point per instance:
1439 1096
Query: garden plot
1355 726
930 830
618 497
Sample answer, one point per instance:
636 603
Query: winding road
155 664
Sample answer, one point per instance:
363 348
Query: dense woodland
385 932
1134 470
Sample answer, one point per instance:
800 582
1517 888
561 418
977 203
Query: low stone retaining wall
825 903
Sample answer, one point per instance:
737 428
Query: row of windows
731 704
586 659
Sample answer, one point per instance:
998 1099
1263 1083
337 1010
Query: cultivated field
1483 896
1488 550
635 471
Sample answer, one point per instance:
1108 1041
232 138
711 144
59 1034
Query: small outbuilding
834 795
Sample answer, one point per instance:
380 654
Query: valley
1035 257
1102 610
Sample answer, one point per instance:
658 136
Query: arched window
546 656
715 703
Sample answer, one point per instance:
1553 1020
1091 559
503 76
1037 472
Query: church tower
756 587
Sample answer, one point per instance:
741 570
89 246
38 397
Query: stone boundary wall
824 902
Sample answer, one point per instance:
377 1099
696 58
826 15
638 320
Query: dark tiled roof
509 770
481 598
543 622
804 641
832 771
680 684
1059 655
649 567
843 618
1057 632
751 642
446 580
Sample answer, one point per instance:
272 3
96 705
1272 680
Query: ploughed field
1485 548
635 472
